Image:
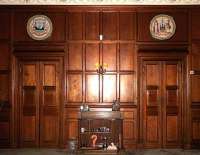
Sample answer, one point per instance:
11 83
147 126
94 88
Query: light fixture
101 69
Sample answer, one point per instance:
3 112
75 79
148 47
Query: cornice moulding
99 2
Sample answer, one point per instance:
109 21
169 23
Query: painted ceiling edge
99 2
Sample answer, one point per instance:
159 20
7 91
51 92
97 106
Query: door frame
164 56
23 55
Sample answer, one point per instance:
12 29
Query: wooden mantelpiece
100 115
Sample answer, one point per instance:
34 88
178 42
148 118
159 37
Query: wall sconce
101 69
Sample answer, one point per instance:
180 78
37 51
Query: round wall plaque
39 27
162 27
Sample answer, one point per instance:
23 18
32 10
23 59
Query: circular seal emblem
162 27
39 27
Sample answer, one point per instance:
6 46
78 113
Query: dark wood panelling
20 24
180 18
109 25
125 30
127 25
92 28
5 25
75 21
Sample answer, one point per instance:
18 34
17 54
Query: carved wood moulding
99 2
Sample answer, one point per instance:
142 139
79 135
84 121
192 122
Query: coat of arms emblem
39 27
162 27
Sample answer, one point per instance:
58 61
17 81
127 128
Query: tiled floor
63 152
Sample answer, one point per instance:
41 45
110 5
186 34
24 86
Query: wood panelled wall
126 46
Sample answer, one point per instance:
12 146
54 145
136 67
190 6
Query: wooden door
172 104
152 110
161 103
29 103
39 103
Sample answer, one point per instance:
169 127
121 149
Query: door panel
172 104
29 104
49 105
152 106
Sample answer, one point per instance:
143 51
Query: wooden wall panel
5 55
127 57
92 56
129 127
92 23
195 130
195 56
74 88
195 127
110 25
20 24
75 56
75 20
195 88
127 88
195 24
109 88
127 25
4 134
110 56
181 20
92 88
4 87
71 124
5 25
